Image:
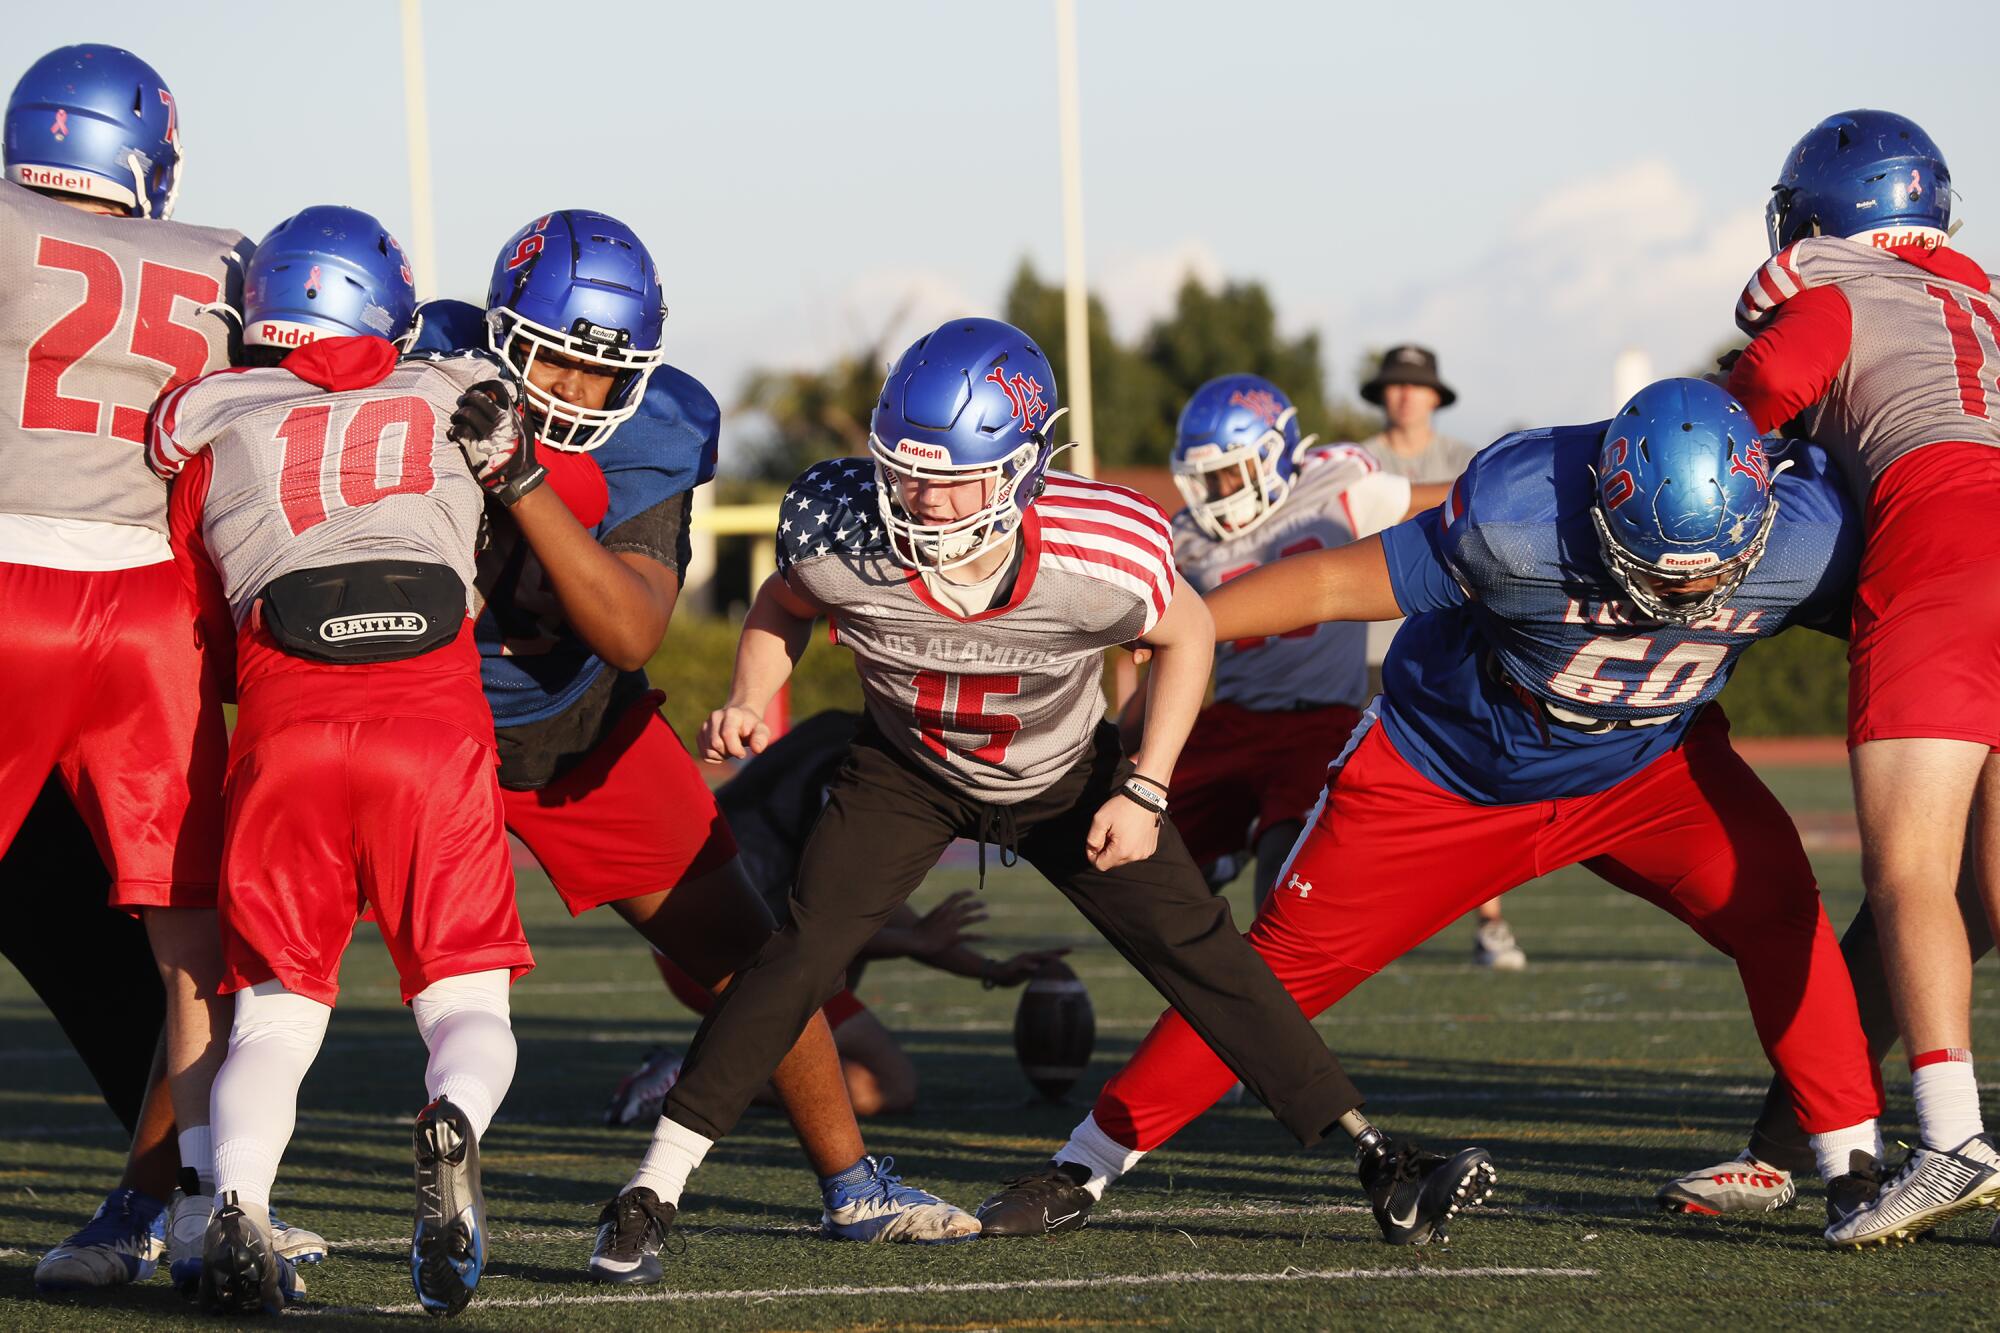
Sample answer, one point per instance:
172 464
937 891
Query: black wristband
1151 782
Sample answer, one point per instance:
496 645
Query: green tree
816 414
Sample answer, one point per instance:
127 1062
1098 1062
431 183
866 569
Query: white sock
464 1022
198 1155
1106 1157
254 1105
1836 1147
1947 1098
670 1159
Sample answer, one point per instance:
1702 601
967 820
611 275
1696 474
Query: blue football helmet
1240 426
96 121
1684 492
972 400
1856 173
327 272
580 286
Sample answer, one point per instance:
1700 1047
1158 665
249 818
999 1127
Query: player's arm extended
775 635
618 603
1346 583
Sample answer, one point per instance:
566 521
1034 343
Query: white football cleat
1932 1186
1493 946
187 1235
1740 1185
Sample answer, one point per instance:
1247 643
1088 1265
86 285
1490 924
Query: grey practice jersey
1921 356
99 315
1443 461
300 477
1000 704
1339 494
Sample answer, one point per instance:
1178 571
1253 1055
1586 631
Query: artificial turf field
1623 1055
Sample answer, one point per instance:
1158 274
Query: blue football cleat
868 1203
448 1249
120 1243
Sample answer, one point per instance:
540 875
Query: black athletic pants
883 829
1777 1138
92 965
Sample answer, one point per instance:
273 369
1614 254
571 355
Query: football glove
489 427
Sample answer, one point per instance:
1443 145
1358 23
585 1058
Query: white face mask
1257 496
564 425
935 547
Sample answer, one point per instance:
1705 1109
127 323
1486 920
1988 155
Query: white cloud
1529 329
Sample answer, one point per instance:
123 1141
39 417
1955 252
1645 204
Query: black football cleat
1416 1194
241 1271
1048 1203
1848 1194
630 1232
448 1246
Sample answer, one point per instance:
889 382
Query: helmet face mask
1640 578
576 287
1261 487
938 546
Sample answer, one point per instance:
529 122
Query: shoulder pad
674 433
830 510
449 326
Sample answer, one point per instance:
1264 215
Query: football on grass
1054 1029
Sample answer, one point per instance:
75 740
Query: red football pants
1391 859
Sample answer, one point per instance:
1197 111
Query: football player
107 304
326 518
1255 493
578 584
1574 608
1884 341
978 591
771 804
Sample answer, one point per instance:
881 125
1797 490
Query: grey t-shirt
1443 461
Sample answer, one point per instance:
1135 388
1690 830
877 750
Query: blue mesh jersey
1523 675
533 664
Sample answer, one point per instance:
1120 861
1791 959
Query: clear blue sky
1528 187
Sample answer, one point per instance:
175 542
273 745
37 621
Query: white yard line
671 1296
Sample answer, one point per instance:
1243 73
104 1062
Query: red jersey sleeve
215 627
1792 363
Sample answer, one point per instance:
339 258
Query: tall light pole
1076 295
417 141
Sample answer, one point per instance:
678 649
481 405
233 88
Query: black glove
489 427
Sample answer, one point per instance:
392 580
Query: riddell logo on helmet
1689 561
929 453
55 178
273 334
